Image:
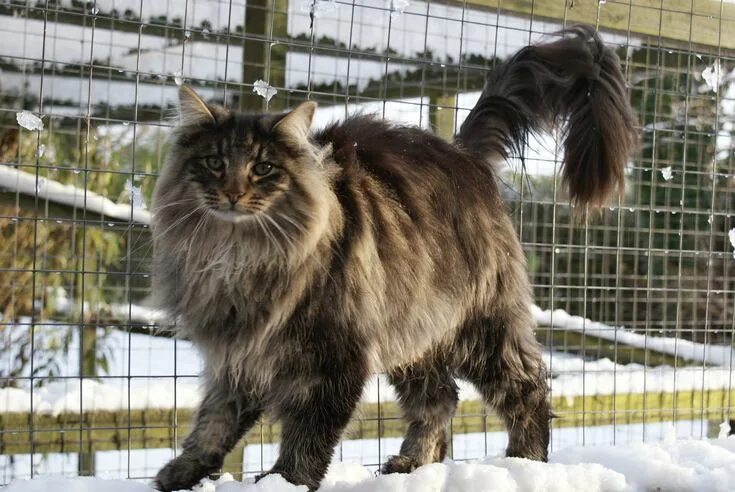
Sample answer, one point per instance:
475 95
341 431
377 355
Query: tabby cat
300 263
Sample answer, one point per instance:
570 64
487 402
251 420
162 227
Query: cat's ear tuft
295 124
192 108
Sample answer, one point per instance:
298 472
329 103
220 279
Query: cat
300 263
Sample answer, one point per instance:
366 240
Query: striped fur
370 247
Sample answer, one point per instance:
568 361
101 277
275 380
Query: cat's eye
215 163
262 168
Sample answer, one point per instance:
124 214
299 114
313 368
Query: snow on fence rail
69 195
721 355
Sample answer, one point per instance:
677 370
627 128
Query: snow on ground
682 465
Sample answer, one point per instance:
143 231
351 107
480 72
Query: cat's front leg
313 425
221 420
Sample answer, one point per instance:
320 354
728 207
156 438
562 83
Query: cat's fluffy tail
576 82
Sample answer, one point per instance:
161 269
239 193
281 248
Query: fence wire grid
635 305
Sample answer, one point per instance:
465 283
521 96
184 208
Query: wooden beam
707 23
441 115
144 429
263 59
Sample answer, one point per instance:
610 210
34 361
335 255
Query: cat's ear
192 108
295 124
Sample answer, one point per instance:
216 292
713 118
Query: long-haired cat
302 263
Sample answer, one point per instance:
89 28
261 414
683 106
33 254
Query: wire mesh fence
635 304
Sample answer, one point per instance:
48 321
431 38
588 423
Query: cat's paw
399 464
181 473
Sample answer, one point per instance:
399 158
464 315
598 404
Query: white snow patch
397 7
48 189
724 430
178 78
319 7
264 89
713 75
731 235
68 395
669 465
136 195
411 111
720 355
666 173
40 150
28 120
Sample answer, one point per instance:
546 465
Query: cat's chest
221 297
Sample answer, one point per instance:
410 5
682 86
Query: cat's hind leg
503 361
427 395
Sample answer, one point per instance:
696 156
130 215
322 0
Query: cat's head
236 165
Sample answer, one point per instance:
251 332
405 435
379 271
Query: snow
720 355
309 68
264 90
47 189
713 75
136 195
28 120
684 464
152 360
571 377
70 395
724 430
319 7
398 7
412 111
666 173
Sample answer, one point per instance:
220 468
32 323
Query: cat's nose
234 197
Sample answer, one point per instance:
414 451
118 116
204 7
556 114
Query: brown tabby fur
370 247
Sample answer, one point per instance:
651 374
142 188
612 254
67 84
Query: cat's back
424 175
388 149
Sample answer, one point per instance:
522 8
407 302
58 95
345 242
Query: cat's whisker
271 240
157 210
178 221
197 229
288 219
280 230
173 204
150 241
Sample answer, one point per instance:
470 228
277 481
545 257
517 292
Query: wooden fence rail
157 428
